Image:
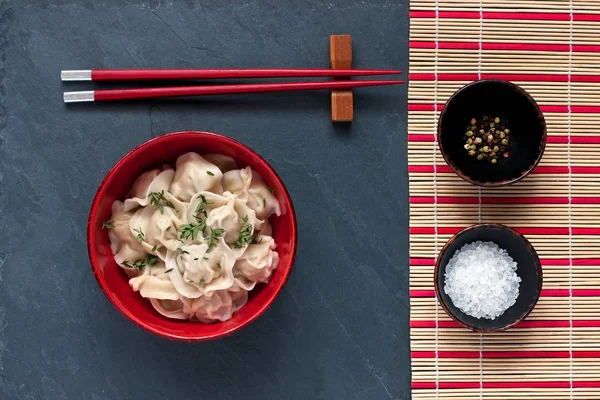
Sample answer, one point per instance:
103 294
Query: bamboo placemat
552 49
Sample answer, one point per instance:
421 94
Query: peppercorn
486 138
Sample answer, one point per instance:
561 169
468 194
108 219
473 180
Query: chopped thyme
140 234
272 190
188 231
108 224
213 238
210 173
246 236
169 270
158 200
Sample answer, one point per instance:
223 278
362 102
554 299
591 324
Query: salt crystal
481 280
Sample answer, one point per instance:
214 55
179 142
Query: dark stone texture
340 328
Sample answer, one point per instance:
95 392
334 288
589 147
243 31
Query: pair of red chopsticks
180 91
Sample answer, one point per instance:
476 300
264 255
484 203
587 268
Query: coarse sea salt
481 280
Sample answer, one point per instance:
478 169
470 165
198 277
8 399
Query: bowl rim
132 316
541 117
438 261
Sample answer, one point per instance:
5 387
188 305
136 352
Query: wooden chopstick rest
340 55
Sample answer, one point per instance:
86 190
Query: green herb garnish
210 173
201 283
140 234
158 200
246 236
151 260
155 247
169 270
272 190
213 238
108 224
182 251
139 264
125 263
219 265
188 231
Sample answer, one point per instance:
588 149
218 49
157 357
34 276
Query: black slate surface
339 330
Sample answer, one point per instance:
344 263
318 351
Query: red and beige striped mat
552 49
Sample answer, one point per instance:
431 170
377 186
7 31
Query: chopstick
170 74
180 91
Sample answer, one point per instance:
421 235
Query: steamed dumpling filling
196 239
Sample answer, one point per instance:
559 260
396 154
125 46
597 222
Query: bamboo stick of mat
551 49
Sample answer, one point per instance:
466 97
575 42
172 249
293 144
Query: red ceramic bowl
115 186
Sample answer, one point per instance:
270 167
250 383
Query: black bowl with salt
529 270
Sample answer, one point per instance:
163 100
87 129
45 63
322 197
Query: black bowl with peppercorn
492 133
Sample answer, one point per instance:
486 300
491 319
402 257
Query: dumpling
148 182
194 174
170 308
259 260
154 283
195 271
248 185
225 163
159 229
223 212
123 244
219 306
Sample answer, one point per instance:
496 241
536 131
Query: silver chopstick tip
76 75
78 97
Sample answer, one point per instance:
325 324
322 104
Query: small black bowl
529 269
517 110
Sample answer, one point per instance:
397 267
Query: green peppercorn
471 153
502 135
492 154
473 147
504 141
469 133
497 120
485 149
496 148
470 141
481 131
507 131
480 157
478 140
494 160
